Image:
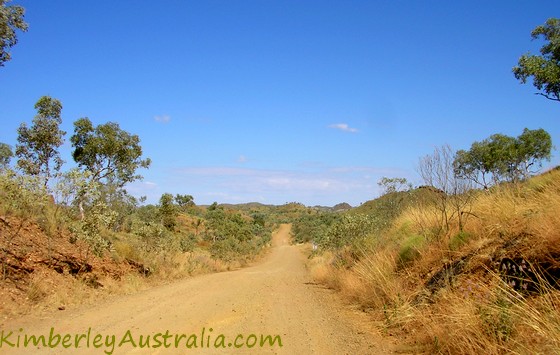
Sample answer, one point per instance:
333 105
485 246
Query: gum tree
503 158
37 148
11 20
184 200
6 155
167 211
111 154
544 69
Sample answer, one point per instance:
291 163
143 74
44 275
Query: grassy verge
490 288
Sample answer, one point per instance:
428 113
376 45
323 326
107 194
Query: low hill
246 206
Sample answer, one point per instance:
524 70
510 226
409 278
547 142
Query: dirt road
276 297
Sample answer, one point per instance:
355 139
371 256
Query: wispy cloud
255 180
144 188
242 159
343 127
321 186
317 184
162 118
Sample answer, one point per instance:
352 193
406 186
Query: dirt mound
27 254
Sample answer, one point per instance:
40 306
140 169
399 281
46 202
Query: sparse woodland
468 262
80 229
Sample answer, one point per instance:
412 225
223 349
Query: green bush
458 240
350 230
97 218
312 227
410 250
21 195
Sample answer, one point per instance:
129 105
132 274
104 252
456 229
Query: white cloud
217 171
242 159
323 186
144 188
343 127
162 118
367 170
224 197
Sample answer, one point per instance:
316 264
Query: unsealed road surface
275 298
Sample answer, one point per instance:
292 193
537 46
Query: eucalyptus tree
11 20
37 148
6 155
544 69
111 154
503 158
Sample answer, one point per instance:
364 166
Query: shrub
351 230
410 250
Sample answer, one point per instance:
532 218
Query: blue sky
279 101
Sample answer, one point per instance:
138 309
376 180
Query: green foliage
154 236
11 19
389 206
37 146
91 203
395 193
544 68
22 195
350 230
184 200
410 250
123 204
187 243
313 227
476 164
503 158
6 155
108 152
147 214
391 185
223 225
459 239
334 230
234 235
26 197
229 249
74 186
90 229
76 189
167 211
259 219
497 319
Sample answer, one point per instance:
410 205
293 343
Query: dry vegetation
492 288
47 264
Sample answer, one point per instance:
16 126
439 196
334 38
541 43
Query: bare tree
453 194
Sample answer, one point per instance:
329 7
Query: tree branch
548 97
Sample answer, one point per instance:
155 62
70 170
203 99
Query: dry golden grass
322 270
475 312
491 318
530 209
